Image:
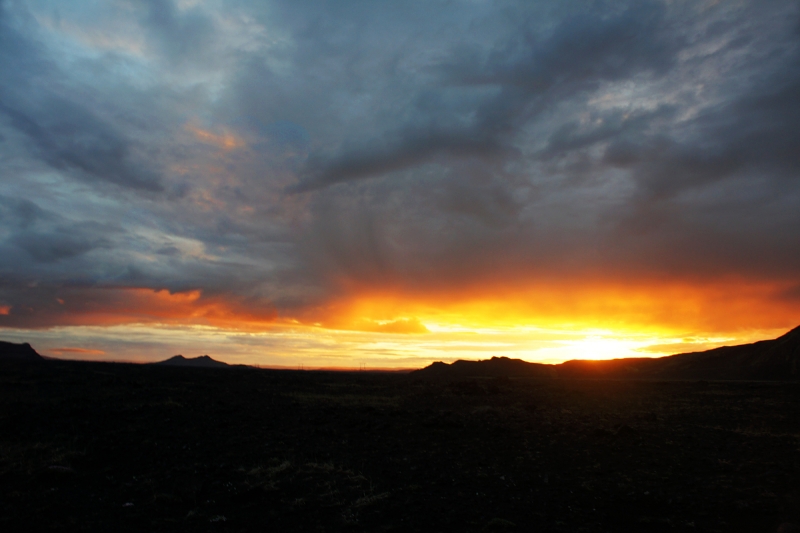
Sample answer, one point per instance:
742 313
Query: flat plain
101 446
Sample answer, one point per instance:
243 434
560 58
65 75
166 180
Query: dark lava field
119 447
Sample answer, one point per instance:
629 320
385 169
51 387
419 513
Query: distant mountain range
776 359
18 352
10 351
203 361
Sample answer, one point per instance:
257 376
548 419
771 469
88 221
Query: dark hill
10 351
203 361
494 367
632 367
775 359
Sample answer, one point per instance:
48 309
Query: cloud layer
364 166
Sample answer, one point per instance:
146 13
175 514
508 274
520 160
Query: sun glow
546 325
597 347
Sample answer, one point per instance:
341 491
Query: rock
625 431
18 352
500 524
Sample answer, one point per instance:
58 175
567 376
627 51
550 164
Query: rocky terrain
100 446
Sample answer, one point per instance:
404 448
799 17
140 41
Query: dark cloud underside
286 155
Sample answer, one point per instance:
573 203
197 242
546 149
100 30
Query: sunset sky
387 184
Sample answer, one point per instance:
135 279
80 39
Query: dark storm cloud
44 237
60 244
60 126
474 191
182 36
405 149
756 132
67 136
622 127
582 50
521 76
694 174
297 152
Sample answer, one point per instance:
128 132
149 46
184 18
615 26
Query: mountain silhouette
772 359
203 361
775 359
10 351
494 367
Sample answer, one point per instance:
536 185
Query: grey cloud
768 120
169 250
622 128
529 142
20 213
348 241
581 50
672 202
51 247
182 36
61 129
524 76
410 148
46 237
68 137
475 191
757 132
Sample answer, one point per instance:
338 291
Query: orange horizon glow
537 323
725 306
79 351
626 309
117 306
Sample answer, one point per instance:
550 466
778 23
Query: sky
348 184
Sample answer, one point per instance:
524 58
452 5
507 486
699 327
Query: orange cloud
729 308
401 325
81 351
671 307
5 309
114 306
226 140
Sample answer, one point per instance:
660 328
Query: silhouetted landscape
496 445
10 351
764 360
202 361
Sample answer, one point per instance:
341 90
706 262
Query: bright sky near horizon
338 184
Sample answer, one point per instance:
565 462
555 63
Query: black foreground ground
102 447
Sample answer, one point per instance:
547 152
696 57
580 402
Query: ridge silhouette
202 361
10 351
775 359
